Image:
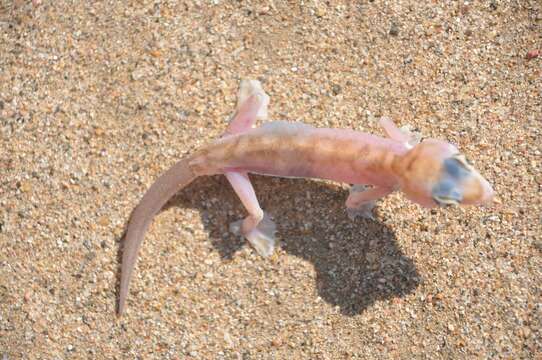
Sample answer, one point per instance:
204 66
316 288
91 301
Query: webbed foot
404 135
261 237
364 210
413 137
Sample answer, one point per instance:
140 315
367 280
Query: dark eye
457 167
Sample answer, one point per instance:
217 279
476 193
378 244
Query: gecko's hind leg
257 227
252 105
361 200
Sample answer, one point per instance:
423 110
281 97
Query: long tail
173 180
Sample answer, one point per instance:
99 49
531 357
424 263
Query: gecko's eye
457 167
446 193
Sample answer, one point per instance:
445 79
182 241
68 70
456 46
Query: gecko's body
269 150
430 173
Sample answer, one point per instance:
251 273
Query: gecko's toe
414 137
263 244
364 211
262 238
267 226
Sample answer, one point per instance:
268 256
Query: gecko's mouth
447 193
445 201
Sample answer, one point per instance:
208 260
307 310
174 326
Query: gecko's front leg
361 200
257 227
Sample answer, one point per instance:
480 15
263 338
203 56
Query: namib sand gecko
430 173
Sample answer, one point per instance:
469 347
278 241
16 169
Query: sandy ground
97 100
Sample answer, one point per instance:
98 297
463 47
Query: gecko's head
435 173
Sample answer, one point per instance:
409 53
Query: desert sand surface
99 98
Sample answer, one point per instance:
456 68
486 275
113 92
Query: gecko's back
292 149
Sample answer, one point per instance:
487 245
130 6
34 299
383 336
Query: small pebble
533 54
394 29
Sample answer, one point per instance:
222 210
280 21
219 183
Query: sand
98 98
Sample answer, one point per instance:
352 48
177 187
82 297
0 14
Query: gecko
429 172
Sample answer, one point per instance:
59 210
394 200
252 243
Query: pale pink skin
299 150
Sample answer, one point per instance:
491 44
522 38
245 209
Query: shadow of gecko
350 274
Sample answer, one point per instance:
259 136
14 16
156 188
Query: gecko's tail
169 183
